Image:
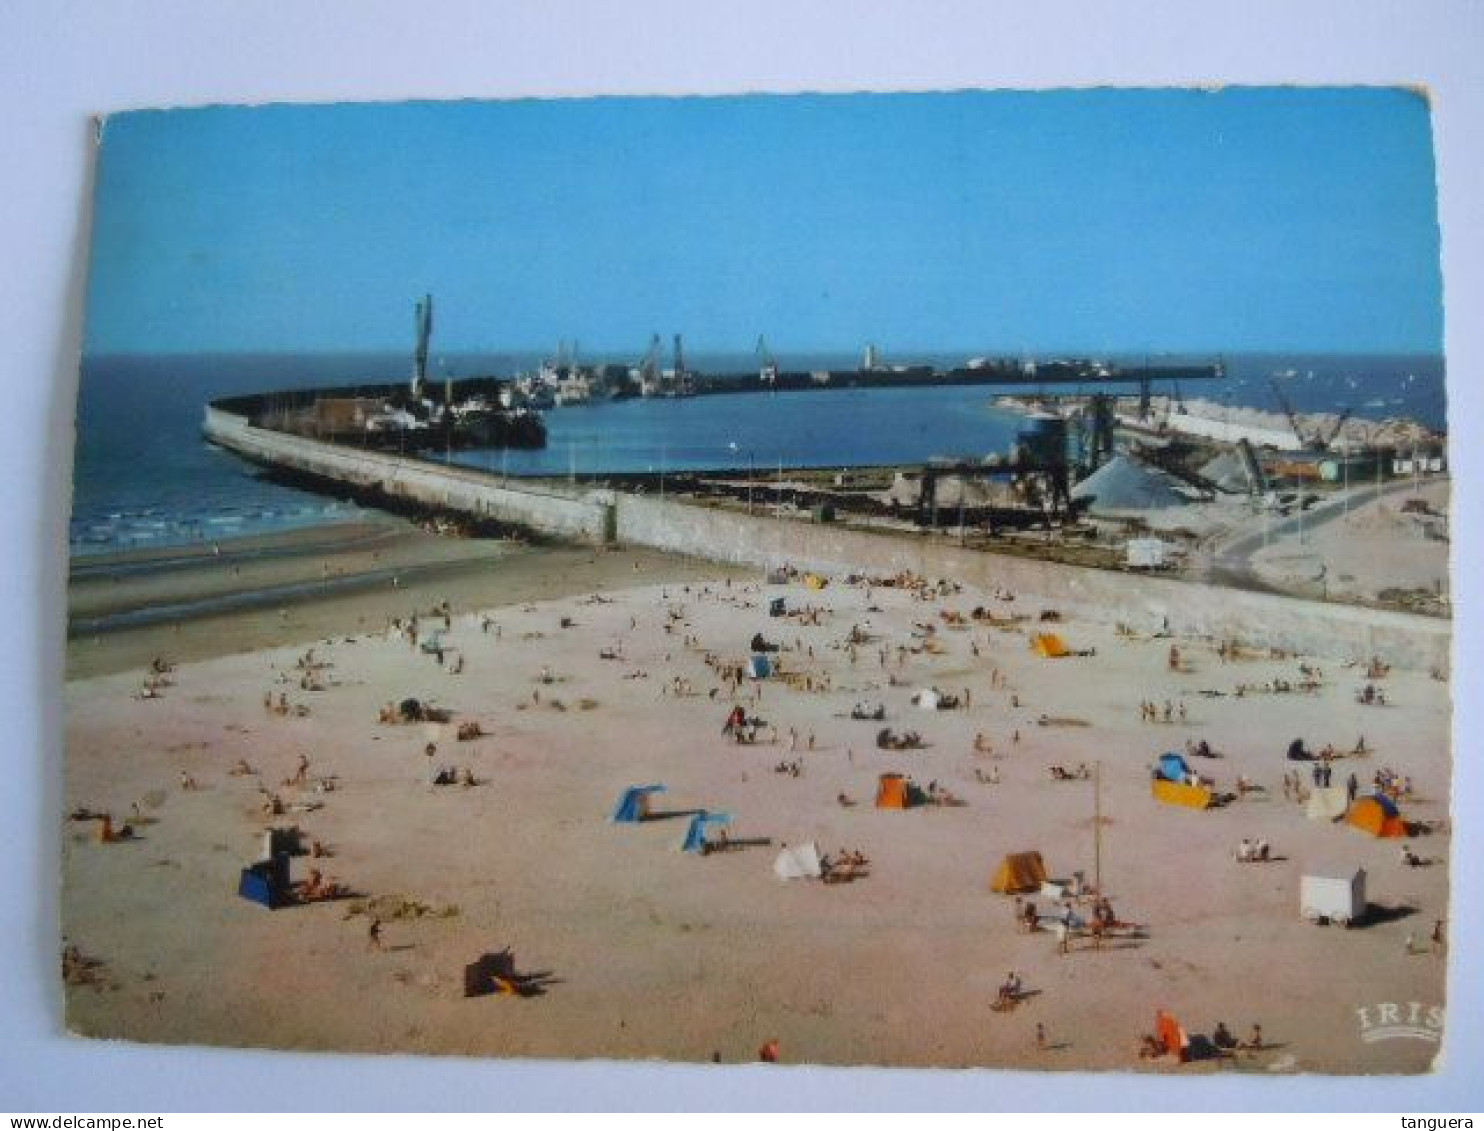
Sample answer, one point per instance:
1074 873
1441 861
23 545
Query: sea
144 478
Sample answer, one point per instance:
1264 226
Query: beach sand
647 952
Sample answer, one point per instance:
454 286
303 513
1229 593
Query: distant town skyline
1095 221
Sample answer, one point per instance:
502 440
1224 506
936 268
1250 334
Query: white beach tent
1336 896
929 698
801 862
1327 803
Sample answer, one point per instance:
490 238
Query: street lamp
751 472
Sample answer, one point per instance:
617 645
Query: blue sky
1101 221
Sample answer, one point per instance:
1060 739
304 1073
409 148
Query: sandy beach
304 585
588 672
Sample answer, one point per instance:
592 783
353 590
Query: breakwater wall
1144 603
569 515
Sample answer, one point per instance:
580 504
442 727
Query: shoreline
308 584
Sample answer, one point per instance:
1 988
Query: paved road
1229 561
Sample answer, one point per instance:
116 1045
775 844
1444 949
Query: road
1228 560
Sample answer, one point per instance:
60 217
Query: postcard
921 580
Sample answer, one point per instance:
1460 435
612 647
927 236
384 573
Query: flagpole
1097 828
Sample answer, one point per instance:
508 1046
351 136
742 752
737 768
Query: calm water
145 478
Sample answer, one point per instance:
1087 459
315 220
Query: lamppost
751 472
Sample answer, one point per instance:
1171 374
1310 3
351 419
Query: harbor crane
1314 441
423 320
649 365
767 364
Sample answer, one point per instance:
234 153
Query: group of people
1253 851
317 888
1061 773
1012 990
1396 786
1151 712
156 679
1221 1043
742 729
887 739
844 866
282 707
1201 749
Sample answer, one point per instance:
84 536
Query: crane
423 323
649 365
767 364
1314 441
1339 423
1293 421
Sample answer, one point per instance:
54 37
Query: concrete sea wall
575 515
1145 603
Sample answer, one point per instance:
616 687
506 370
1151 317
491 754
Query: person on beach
373 935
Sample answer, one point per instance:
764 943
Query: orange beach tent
1171 1034
1049 646
892 792
1377 816
1018 873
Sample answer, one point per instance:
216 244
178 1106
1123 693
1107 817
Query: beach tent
892 792
760 667
1172 783
1338 896
695 834
814 581
633 806
1327 803
267 881
929 699
1049 646
776 607
1173 767
1018 873
798 863
1377 815
1178 793
1171 1034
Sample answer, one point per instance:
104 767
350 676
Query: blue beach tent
1172 767
266 882
633 806
760 667
695 835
